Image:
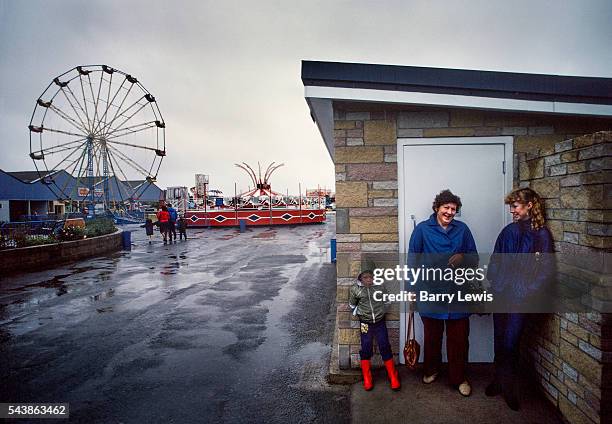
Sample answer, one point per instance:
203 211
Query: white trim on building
320 101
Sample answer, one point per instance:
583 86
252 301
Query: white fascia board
582 109
453 100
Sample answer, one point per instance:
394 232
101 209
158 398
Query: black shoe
493 389
512 401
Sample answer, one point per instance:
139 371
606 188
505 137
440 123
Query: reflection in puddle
104 295
105 275
56 282
79 269
105 309
200 272
171 268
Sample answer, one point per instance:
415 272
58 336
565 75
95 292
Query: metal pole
106 176
300 201
236 205
270 197
205 205
90 173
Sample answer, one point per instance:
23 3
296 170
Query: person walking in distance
148 226
172 223
163 217
182 227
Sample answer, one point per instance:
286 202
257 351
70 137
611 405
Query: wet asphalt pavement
225 327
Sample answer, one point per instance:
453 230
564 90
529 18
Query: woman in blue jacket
520 268
442 242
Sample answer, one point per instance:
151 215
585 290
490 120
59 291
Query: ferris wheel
97 137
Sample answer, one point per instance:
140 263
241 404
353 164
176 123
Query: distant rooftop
28 176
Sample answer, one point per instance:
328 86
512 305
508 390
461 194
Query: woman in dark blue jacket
442 242
520 268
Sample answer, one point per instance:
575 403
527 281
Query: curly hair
444 197
524 196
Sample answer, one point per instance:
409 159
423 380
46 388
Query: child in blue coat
148 226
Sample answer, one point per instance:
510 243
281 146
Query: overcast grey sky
226 74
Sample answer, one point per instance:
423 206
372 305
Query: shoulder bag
412 349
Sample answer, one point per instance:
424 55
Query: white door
474 169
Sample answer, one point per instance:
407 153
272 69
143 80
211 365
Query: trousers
507 331
379 332
457 346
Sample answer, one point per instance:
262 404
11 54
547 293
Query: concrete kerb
336 375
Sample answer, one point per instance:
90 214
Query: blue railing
50 217
129 217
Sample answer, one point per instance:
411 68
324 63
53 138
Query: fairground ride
259 206
97 139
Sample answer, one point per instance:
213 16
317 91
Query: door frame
506 141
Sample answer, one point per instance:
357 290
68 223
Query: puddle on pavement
56 282
317 254
209 264
227 237
270 234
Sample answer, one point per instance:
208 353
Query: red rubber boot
393 374
367 374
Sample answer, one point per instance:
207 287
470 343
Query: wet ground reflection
203 321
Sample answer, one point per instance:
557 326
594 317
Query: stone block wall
548 149
366 215
571 352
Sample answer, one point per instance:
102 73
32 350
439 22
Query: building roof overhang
325 82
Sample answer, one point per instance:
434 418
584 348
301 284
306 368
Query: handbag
412 349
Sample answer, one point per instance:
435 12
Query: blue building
29 197
146 192
30 193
